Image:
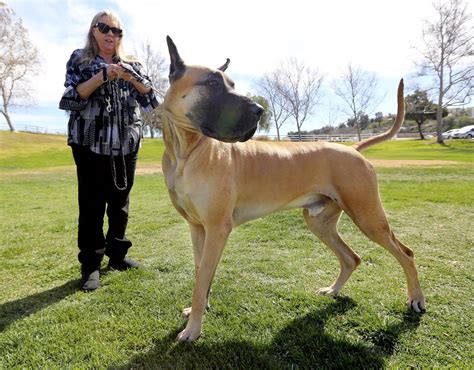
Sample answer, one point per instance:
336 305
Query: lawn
264 310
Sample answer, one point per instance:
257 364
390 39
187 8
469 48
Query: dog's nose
256 109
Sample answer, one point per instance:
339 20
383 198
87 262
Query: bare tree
156 68
358 91
332 116
448 55
264 123
300 87
268 87
19 59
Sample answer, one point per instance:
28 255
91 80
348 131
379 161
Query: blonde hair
92 49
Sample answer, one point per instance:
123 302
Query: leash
113 168
117 104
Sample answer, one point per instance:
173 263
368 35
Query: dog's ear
224 66
177 64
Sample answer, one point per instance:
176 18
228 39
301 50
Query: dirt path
142 169
410 163
148 168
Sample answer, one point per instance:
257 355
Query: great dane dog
218 180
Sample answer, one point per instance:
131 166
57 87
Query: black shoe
90 280
123 264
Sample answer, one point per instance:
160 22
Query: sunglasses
104 28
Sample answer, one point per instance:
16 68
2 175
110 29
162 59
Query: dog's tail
364 144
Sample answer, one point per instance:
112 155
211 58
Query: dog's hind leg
370 217
379 231
214 243
324 226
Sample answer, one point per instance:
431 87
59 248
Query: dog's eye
213 83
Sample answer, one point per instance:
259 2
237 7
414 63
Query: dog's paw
417 304
328 291
190 333
186 313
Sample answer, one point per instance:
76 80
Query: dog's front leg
198 236
216 237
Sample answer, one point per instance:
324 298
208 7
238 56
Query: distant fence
311 137
34 129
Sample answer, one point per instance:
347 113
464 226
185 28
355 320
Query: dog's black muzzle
234 122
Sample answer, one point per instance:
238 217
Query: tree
264 124
19 59
358 90
378 118
420 109
361 120
448 55
268 87
332 115
156 69
300 86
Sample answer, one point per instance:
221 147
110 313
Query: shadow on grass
16 310
303 343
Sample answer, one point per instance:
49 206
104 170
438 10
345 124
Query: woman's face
107 42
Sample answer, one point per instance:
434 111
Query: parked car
449 134
467 132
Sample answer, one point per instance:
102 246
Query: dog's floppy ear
224 66
177 64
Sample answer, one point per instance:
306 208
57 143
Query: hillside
23 150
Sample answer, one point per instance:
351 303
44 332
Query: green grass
452 150
25 151
265 313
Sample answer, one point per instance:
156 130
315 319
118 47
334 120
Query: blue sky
380 36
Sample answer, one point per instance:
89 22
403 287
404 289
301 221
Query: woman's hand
113 71
125 72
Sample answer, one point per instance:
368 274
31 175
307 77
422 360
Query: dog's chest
182 197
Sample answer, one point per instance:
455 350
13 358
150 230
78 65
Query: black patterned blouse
109 121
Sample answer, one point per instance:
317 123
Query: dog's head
206 97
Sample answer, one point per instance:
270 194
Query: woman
104 89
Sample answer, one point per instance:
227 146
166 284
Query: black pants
98 194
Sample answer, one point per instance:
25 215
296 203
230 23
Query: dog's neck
180 137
